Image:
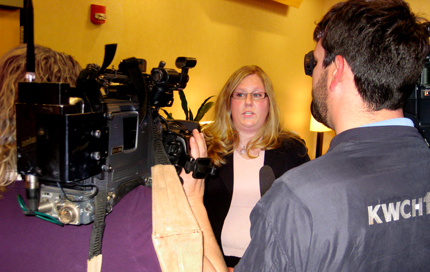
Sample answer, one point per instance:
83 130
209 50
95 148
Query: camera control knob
96 156
107 168
67 215
96 133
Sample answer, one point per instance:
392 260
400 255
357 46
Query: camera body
75 141
417 107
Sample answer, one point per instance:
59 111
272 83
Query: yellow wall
9 33
222 34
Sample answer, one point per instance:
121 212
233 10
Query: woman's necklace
242 150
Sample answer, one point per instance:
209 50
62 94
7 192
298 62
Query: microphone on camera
32 193
267 177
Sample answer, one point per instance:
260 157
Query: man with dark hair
365 205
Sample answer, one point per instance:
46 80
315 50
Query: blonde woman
246 135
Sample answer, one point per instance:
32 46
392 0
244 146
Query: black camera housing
74 141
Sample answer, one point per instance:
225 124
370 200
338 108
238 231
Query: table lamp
319 128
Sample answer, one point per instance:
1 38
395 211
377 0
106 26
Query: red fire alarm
98 14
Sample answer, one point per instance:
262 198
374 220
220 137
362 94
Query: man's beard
319 100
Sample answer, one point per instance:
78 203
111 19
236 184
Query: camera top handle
87 85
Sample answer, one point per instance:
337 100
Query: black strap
159 155
110 50
139 86
99 220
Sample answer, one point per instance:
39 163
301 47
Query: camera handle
131 65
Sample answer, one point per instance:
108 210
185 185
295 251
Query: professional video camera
96 139
417 107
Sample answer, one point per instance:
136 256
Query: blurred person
364 205
31 244
246 135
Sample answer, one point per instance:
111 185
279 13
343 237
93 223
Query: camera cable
40 215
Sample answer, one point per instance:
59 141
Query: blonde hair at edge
222 136
50 66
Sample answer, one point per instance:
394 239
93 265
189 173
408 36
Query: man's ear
339 66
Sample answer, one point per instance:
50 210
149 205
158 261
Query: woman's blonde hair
222 136
50 66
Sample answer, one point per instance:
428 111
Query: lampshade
205 122
317 126
293 3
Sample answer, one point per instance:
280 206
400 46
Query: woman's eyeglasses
255 96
